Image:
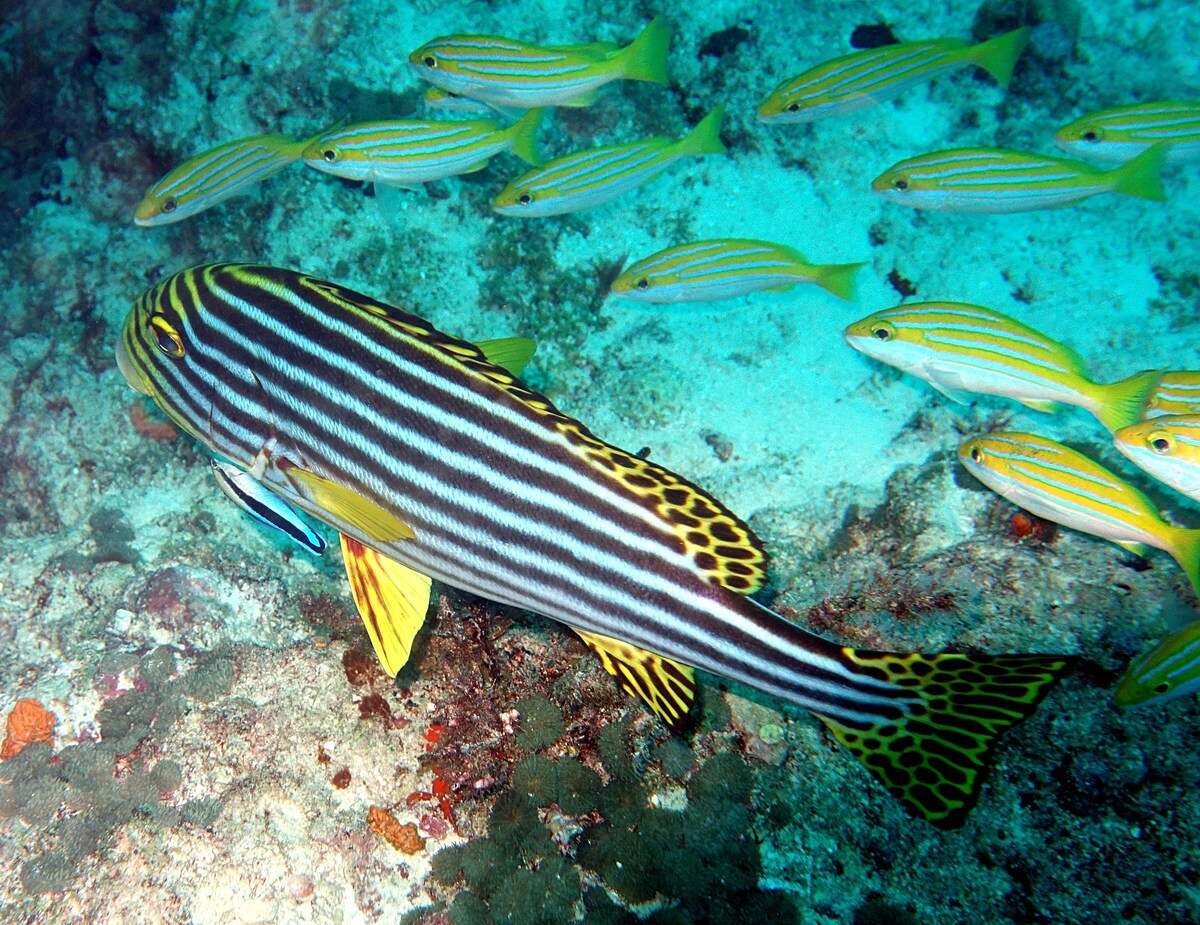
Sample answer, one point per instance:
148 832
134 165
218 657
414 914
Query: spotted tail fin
934 759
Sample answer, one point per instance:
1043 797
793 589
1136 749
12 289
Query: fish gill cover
199 726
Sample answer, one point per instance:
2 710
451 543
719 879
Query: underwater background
212 739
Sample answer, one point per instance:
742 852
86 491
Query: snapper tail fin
838 279
1142 176
646 56
522 137
705 138
934 758
1185 549
1120 404
998 56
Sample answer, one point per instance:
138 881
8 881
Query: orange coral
404 838
28 722
147 426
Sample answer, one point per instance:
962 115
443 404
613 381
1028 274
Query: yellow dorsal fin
667 687
512 353
350 507
392 600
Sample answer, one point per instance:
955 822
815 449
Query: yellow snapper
1169 670
1166 447
592 177
1001 180
874 75
1177 392
202 181
1123 132
507 72
1062 485
406 152
960 348
723 268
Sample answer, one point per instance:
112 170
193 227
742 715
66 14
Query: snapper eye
1160 443
169 205
1091 135
1161 687
524 199
168 339
900 183
881 332
429 61
329 154
976 454
642 283
793 107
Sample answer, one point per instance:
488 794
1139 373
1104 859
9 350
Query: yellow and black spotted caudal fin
392 600
934 758
667 687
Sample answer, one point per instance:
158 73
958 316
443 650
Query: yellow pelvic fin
392 600
667 687
1040 404
511 353
1138 549
350 506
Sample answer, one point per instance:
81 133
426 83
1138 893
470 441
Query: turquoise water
223 745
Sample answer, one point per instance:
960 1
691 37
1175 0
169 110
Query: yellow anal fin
934 756
350 507
1137 549
667 687
510 353
392 600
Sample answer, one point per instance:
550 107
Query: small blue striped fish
248 493
506 72
426 455
960 348
1123 132
203 181
1000 180
1166 447
1166 672
1060 484
590 178
407 152
1177 392
869 77
724 268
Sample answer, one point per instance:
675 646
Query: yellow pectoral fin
510 353
392 600
351 507
667 687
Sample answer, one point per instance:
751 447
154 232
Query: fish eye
329 154
1161 687
1091 135
882 332
169 205
900 183
642 283
524 199
976 454
793 107
167 338
429 61
1160 443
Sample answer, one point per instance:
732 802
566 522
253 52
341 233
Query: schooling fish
1177 392
413 444
1166 447
1123 132
212 177
724 268
1000 180
589 178
444 101
1166 672
1062 485
959 348
866 78
407 152
507 72
269 510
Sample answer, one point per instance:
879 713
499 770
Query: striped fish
1166 672
1177 392
1000 180
506 72
1123 132
1059 484
869 77
411 443
724 268
440 100
248 494
959 348
212 177
408 152
1166 447
590 178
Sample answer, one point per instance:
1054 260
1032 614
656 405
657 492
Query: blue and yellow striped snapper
869 77
1060 484
440 100
506 72
1123 132
1000 180
203 181
590 178
1177 392
1166 447
1169 670
407 152
960 348
724 268
417 448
